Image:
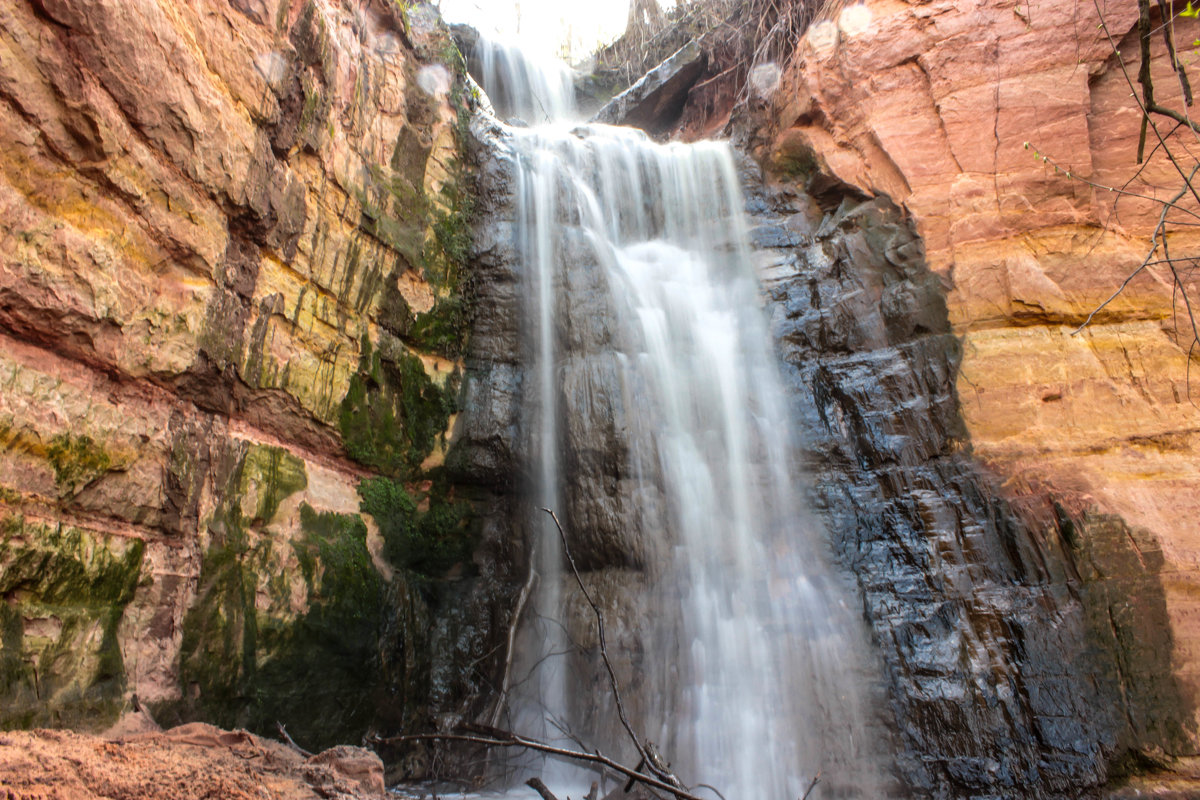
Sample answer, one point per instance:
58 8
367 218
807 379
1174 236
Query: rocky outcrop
655 102
1021 499
1025 648
193 760
231 292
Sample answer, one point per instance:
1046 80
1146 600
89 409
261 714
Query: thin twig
712 788
1155 245
506 739
612 675
816 779
522 599
290 742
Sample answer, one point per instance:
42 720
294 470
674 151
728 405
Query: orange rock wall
205 208
945 107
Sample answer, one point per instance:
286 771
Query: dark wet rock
773 236
465 37
614 516
655 102
1004 675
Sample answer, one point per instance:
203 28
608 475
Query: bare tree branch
541 788
1180 269
506 739
647 759
816 779
505 683
1155 243
290 742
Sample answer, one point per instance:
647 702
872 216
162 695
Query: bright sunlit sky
546 26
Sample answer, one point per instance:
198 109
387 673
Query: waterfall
521 86
658 421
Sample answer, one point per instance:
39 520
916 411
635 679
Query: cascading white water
750 652
520 86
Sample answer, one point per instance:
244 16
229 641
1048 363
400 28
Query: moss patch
442 329
355 651
393 413
319 673
274 474
76 460
63 592
249 656
430 542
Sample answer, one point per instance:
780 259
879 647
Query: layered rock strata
1038 480
1026 651
230 293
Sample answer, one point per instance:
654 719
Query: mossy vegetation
250 655
393 413
446 259
428 542
65 591
355 648
298 625
442 329
276 474
77 460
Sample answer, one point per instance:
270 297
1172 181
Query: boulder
656 101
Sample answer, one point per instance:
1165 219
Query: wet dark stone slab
656 101
1004 675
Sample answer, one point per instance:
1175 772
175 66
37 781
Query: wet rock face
885 100
1026 648
232 289
602 518
655 102
1026 645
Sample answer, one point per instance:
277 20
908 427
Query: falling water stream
658 416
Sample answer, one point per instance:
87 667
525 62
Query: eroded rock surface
231 289
655 102
1026 650
1063 557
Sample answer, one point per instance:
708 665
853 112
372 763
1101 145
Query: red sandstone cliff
931 104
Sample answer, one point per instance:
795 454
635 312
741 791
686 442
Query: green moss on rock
64 592
442 329
393 413
428 543
250 657
318 673
76 460
274 474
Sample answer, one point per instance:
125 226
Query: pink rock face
948 108
204 205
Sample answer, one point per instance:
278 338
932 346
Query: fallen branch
522 599
541 788
290 742
650 760
506 739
